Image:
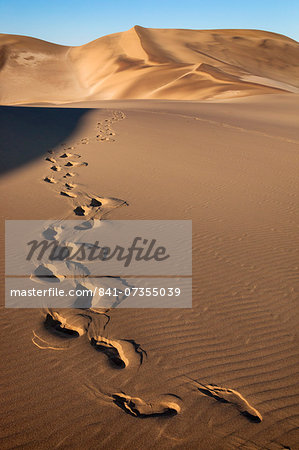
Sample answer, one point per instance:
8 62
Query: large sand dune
149 64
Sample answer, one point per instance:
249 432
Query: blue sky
75 22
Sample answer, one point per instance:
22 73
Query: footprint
96 201
84 290
56 168
71 325
49 272
81 210
139 408
68 194
70 185
73 164
87 224
230 396
69 174
52 160
50 180
112 348
68 155
100 138
107 202
51 233
121 352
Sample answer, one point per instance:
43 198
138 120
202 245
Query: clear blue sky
75 22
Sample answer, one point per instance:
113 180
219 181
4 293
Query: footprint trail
86 204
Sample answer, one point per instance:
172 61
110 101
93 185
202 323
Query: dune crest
149 64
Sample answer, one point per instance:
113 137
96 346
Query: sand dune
149 64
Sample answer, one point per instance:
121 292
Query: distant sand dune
149 63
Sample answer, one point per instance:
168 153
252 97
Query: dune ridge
146 63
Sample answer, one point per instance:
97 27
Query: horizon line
151 28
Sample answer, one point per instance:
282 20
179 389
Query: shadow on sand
27 133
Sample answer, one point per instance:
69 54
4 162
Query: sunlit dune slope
149 63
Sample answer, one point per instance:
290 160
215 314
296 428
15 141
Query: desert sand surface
222 375
158 124
146 63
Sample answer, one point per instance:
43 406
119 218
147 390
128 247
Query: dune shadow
26 132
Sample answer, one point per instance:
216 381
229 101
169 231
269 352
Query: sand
146 63
222 375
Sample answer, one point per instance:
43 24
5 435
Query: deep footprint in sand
56 168
81 210
111 348
52 160
52 233
88 224
106 202
231 396
70 185
101 206
74 164
68 194
121 352
103 138
68 155
47 271
139 408
104 205
96 201
70 325
69 174
50 180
